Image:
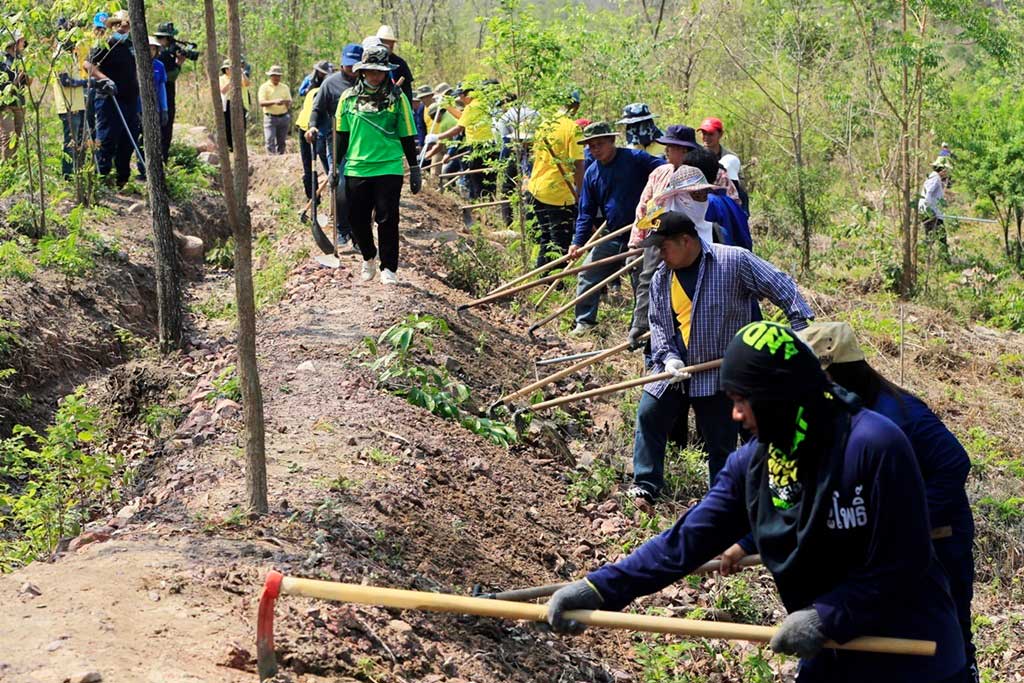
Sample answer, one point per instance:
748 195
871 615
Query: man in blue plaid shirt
700 297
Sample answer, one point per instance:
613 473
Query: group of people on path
849 487
96 94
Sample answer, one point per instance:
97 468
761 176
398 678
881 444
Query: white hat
153 42
385 32
731 164
371 41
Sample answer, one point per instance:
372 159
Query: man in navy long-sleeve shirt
613 186
836 504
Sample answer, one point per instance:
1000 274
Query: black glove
415 179
577 595
634 338
800 634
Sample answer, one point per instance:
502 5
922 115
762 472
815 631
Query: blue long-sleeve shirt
421 125
729 279
877 575
729 215
614 189
160 81
943 461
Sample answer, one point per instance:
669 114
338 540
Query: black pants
935 228
480 184
306 154
227 124
557 225
114 135
167 132
381 194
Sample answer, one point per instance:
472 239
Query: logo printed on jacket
850 516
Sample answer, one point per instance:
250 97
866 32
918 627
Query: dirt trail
363 487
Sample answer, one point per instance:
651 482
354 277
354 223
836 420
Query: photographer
172 55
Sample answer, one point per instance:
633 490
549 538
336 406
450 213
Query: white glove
430 140
675 366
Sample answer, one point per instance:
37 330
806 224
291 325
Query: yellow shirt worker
275 99
553 176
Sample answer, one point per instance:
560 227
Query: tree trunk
168 278
248 371
235 188
909 275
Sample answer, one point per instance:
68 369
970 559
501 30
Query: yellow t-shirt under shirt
682 307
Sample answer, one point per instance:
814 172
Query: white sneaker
582 328
369 270
388 277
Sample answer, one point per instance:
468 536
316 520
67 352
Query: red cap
583 123
711 125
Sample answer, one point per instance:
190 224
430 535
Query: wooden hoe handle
458 604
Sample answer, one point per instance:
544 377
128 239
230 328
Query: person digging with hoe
835 502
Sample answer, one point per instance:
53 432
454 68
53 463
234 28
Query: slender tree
235 182
168 276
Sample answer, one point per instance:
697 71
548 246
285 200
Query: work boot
369 270
636 493
582 328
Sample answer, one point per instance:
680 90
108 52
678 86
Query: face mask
119 37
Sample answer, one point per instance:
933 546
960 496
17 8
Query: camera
186 49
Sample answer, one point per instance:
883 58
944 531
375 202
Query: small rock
452 365
85 677
56 645
226 408
609 506
306 366
210 158
136 207
30 589
87 538
237 657
154 596
609 527
130 510
399 626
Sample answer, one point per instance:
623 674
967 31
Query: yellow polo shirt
547 183
269 91
477 123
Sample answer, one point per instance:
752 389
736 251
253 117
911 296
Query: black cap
680 135
670 224
166 30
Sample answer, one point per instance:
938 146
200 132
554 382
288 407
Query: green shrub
57 478
222 254
71 255
14 263
427 386
474 265
226 385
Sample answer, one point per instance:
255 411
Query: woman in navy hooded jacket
834 499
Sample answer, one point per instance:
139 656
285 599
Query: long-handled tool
615 258
561 259
591 292
566 359
579 260
322 241
972 220
622 386
278 584
565 372
526 594
127 129
330 259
